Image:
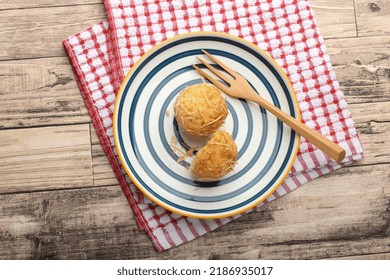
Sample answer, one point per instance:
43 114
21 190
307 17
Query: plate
144 127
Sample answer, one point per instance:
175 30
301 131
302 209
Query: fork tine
220 63
214 81
215 71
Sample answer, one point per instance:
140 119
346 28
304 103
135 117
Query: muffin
200 109
216 158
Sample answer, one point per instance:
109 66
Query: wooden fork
239 87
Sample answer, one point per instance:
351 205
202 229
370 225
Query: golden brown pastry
216 158
200 109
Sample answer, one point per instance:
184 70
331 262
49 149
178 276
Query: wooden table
59 198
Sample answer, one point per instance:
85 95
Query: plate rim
121 91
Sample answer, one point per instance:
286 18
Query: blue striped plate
143 127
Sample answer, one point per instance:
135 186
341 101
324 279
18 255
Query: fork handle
324 144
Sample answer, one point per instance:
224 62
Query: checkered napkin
102 54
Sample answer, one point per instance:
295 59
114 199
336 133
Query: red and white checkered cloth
102 54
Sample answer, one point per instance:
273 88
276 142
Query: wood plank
354 59
318 220
335 19
375 138
374 112
39 32
362 67
372 123
345 51
372 17
73 224
39 92
103 175
44 158
385 256
53 97
21 4
42 37
349 220
352 249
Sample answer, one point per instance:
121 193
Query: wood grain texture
39 92
340 15
366 257
318 220
22 4
59 198
103 175
373 125
76 224
362 67
42 37
372 17
35 159
38 32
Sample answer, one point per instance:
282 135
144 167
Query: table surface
59 198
